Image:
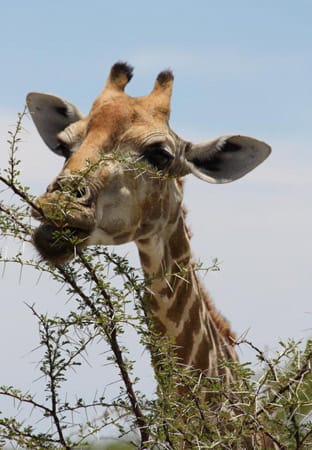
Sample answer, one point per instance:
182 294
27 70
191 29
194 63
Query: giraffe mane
222 324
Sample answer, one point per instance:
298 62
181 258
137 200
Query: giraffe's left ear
226 158
51 115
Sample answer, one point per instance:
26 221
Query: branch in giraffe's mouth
56 245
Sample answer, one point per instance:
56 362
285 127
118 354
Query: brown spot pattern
176 310
153 304
159 326
153 206
122 237
178 242
184 344
166 292
202 357
194 317
145 259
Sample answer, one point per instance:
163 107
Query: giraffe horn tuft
120 75
162 91
165 77
121 70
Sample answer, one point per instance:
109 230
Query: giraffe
103 200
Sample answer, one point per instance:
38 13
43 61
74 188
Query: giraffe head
120 181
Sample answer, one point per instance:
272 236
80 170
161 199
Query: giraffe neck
179 306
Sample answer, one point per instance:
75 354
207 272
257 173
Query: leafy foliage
189 410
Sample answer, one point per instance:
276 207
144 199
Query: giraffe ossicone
121 182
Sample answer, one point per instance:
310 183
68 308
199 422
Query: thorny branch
260 355
111 334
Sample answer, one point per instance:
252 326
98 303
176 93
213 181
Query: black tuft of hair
165 76
121 68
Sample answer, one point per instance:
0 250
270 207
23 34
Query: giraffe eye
158 156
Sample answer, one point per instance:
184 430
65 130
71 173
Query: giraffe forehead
117 124
121 112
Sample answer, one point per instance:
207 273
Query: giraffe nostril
81 192
83 195
72 188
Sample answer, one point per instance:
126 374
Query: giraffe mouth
58 245
65 227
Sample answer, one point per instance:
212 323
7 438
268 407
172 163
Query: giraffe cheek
120 223
114 225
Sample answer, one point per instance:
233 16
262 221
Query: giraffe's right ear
226 158
51 115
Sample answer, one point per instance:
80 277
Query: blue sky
242 57
240 67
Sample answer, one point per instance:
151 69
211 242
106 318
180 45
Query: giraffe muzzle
64 211
65 226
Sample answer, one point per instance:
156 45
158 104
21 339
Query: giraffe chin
55 245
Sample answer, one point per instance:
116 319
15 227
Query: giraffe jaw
58 245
